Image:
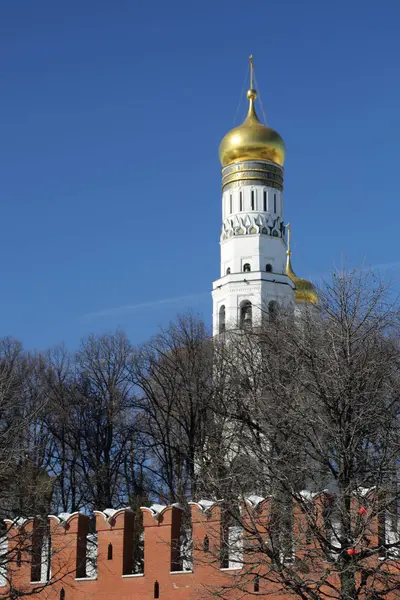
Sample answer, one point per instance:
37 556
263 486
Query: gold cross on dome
251 71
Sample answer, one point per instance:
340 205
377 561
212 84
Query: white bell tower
253 280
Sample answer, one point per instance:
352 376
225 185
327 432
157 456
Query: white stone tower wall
231 200
251 237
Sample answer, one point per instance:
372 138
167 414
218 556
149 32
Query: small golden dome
304 290
252 140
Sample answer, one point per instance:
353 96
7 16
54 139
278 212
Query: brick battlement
97 560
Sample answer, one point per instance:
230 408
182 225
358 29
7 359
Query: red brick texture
114 578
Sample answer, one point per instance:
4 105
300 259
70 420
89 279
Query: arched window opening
182 545
62 594
47 558
206 544
231 542
110 552
230 204
275 203
41 551
156 589
36 551
268 268
265 200
133 544
228 271
252 199
222 319
246 315
256 583
383 553
246 268
88 560
240 201
3 554
273 310
282 530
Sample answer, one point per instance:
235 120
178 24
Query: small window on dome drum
252 199
265 200
246 268
240 201
275 203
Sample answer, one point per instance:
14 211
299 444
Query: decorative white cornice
251 223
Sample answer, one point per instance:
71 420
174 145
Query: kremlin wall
110 575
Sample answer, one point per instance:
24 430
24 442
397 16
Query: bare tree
69 493
68 441
173 377
93 424
26 485
312 403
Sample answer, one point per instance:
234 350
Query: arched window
265 200
273 310
246 315
62 594
228 271
206 544
222 319
246 268
275 203
268 268
110 552
240 201
252 199
230 204
256 583
156 589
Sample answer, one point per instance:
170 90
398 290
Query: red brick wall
161 528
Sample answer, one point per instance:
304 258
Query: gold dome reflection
304 290
252 140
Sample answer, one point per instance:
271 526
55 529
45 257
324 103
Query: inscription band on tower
255 172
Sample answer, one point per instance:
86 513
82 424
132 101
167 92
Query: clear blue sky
111 115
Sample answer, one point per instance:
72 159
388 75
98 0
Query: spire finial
251 71
251 94
289 230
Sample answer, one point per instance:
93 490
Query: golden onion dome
304 290
252 140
